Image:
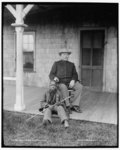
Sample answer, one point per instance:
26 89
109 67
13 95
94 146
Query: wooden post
19 28
19 25
19 105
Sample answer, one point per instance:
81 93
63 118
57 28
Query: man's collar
63 60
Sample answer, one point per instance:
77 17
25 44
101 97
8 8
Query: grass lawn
18 132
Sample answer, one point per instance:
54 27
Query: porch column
19 105
19 28
19 13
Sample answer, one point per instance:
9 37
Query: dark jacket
46 99
64 70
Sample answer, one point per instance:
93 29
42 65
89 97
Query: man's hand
51 106
58 103
56 79
72 83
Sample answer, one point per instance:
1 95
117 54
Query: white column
19 105
19 28
19 13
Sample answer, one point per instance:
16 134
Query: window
28 51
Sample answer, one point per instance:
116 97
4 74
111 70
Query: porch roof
77 12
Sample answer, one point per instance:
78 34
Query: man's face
64 56
52 87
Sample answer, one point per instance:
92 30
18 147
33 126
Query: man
52 99
64 73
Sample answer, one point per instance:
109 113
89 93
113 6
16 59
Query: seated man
64 73
52 101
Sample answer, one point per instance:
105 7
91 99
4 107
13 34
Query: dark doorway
92 51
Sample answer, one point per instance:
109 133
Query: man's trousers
77 91
60 111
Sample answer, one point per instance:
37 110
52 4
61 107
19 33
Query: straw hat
64 50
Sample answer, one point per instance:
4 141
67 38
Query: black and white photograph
60 76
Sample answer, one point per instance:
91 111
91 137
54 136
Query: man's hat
52 82
64 50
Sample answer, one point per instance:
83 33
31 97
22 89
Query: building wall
49 40
9 51
110 60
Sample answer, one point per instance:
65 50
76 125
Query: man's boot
66 124
68 109
45 123
76 109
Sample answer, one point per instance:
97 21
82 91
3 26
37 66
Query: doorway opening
92 52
